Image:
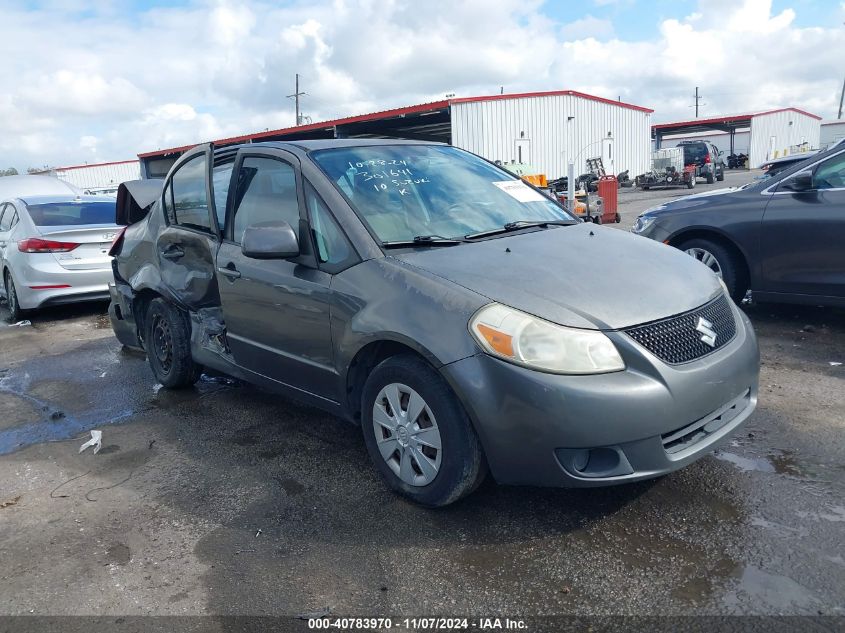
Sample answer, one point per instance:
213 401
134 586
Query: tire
597 219
721 261
691 182
400 450
617 218
168 345
646 187
721 175
16 313
710 178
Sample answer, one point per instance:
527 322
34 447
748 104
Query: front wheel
16 313
721 261
417 433
168 345
721 176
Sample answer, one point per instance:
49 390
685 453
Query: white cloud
104 84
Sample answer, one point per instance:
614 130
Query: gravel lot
225 499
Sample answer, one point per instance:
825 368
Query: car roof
329 143
67 198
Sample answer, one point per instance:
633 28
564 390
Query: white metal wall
495 129
722 140
831 132
772 136
101 175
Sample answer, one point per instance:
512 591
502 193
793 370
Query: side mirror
802 181
270 240
721 152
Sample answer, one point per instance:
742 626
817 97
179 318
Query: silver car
54 249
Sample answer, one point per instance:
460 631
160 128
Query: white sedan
54 249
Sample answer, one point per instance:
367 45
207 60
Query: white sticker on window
519 190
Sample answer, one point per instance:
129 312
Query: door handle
230 271
173 252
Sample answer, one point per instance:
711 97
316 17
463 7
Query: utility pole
295 96
697 99
841 100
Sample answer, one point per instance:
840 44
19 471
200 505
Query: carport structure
543 129
773 133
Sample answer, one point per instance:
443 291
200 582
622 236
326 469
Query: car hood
583 276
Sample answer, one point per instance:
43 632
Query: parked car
441 303
776 166
54 249
706 158
781 237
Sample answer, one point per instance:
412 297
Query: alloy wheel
406 434
707 258
11 295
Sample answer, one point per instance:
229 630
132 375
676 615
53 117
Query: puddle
783 462
761 588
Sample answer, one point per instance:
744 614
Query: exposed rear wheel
721 261
168 345
12 302
710 178
417 433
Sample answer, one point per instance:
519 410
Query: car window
266 193
831 173
332 246
72 213
189 195
405 191
694 153
5 217
221 175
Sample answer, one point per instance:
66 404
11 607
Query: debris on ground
10 502
221 380
315 615
834 364
96 441
24 323
57 415
258 533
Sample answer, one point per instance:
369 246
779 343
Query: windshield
72 213
407 191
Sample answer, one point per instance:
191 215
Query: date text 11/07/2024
417 624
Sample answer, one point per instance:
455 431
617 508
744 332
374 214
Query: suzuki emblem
708 334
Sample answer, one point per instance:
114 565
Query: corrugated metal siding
773 137
491 129
100 175
721 140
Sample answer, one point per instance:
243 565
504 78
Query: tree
8 172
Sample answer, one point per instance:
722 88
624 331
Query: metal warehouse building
832 132
543 129
97 175
771 134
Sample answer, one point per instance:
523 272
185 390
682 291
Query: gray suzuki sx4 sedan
462 318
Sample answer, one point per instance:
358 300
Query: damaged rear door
187 245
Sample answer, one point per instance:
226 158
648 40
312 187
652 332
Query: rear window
72 213
694 153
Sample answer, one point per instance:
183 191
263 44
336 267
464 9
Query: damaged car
436 300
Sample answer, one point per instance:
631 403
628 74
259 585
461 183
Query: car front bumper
652 418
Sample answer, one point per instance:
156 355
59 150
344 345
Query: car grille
676 340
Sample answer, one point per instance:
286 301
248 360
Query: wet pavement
225 499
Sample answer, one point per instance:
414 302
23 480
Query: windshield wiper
424 240
518 225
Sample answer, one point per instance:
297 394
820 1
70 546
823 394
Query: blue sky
123 77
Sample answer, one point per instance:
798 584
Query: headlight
642 223
529 341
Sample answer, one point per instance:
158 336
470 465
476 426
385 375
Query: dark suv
707 160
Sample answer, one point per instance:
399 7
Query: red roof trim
116 162
733 118
384 114
395 112
553 93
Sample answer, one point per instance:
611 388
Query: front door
803 235
277 312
